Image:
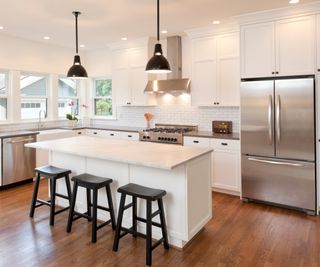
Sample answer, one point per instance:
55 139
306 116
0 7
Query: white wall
98 63
21 54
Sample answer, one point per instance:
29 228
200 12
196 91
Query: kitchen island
184 172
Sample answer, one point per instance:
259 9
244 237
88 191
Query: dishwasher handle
21 141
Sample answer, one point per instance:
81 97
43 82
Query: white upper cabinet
295 46
318 43
281 48
215 70
129 76
228 70
257 50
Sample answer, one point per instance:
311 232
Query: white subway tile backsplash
175 114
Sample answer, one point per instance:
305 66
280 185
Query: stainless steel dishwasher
18 161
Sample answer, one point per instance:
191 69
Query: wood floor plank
240 234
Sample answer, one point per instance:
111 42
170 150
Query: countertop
16 134
107 127
161 156
232 136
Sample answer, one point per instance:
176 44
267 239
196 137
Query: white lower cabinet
226 175
113 134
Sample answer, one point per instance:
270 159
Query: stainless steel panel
290 183
257 118
294 117
18 160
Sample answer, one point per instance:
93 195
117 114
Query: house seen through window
68 101
3 95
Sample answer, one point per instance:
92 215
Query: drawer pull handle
130 136
196 142
94 132
79 132
111 134
224 144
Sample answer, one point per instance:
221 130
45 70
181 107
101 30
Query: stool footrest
59 211
145 221
130 231
157 243
103 224
128 206
44 202
155 213
62 196
80 215
103 208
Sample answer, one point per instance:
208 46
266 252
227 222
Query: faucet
45 115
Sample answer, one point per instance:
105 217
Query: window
33 91
3 95
103 97
68 101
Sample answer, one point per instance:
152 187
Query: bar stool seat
53 174
142 191
94 183
148 194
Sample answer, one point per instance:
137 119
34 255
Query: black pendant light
158 63
77 71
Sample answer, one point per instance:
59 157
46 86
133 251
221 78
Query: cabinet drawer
196 141
130 136
225 144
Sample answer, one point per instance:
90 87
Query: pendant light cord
76 13
158 21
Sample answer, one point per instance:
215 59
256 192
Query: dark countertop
16 134
107 127
232 136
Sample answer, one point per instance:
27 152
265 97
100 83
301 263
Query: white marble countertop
154 155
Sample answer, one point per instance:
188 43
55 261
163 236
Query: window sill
113 118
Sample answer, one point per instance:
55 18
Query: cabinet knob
224 144
79 132
111 134
129 136
94 132
318 69
277 72
273 72
196 142
218 103
128 103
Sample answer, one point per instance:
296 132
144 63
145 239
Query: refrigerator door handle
270 119
275 162
278 116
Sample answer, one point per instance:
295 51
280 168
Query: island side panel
199 194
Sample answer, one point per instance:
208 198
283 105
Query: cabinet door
138 82
318 43
257 50
295 46
228 70
200 142
203 85
120 80
203 49
226 170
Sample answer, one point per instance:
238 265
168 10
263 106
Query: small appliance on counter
224 127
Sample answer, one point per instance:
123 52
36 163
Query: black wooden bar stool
91 182
149 194
52 173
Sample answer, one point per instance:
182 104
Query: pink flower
71 104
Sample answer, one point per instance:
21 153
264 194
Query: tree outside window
103 97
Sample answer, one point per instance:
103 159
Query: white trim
279 13
212 30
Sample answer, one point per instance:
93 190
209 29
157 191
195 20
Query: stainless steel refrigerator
278 141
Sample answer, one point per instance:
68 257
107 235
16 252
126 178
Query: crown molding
279 13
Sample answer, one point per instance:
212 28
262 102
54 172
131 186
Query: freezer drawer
284 182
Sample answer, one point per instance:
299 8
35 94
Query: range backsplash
177 114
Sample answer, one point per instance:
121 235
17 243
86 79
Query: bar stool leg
119 222
94 216
89 204
134 216
110 204
68 188
73 203
35 195
163 224
53 200
149 233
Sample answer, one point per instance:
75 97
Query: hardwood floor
240 234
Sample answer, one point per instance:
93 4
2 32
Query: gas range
166 133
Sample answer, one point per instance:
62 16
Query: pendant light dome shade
77 71
158 63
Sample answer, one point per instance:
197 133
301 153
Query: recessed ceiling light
164 31
82 46
293 1
124 38
46 38
1 27
216 22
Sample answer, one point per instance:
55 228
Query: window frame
95 97
77 97
6 95
46 96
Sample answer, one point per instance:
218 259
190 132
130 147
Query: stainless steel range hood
174 82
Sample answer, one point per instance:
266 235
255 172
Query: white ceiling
105 21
